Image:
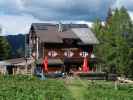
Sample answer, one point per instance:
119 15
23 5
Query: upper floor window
68 53
52 53
83 54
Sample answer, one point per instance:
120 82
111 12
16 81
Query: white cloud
62 9
131 15
17 15
14 24
57 9
126 3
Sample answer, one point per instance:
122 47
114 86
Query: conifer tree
116 39
4 48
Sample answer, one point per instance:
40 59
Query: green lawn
100 90
29 88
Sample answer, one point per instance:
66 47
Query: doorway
9 69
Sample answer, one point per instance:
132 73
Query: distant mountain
17 43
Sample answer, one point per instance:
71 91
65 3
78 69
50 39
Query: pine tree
4 48
116 40
130 64
108 19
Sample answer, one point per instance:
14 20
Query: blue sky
16 16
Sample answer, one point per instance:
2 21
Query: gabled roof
49 32
49 36
86 35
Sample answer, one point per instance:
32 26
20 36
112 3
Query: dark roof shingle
48 32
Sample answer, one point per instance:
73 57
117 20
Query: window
52 53
68 53
83 54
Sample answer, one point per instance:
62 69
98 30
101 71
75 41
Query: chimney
60 28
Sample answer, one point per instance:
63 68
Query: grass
100 90
30 88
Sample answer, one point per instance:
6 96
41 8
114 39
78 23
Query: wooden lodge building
65 45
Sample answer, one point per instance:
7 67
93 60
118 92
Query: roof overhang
52 61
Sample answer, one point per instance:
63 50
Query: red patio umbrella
45 64
85 67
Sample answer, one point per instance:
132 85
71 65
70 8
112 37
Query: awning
52 61
28 62
55 62
16 62
79 60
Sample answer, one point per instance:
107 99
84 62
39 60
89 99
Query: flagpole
37 51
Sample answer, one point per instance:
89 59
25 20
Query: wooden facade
64 42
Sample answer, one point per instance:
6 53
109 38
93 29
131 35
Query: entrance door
67 68
9 69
